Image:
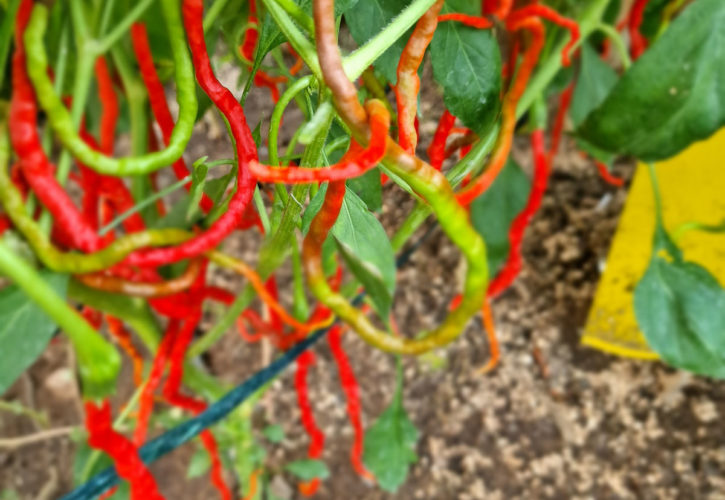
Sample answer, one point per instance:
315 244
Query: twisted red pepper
123 452
516 233
193 11
437 148
37 169
352 394
354 163
408 84
317 438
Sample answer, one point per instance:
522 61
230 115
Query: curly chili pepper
37 169
125 455
60 119
408 84
352 394
192 11
317 438
513 264
352 165
157 99
437 149
424 179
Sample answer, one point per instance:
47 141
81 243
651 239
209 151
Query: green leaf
673 95
368 189
493 212
363 244
389 446
308 469
199 464
25 329
680 308
367 251
366 19
652 18
596 80
274 433
467 64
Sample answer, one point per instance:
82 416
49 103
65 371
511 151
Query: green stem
213 12
276 120
299 15
614 36
103 45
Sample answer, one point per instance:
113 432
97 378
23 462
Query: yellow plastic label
693 190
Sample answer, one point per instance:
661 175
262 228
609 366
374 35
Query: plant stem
213 12
103 45
618 42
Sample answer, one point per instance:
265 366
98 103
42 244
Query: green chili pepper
60 119
75 263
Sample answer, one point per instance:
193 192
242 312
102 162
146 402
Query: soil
553 420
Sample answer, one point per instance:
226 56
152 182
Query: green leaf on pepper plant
25 329
652 18
363 244
596 80
366 249
673 95
680 308
389 446
467 65
366 19
368 188
493 212
308 469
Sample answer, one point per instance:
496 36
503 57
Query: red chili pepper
193 11
356 161
408 84
123 452
558 129
437 149
516 233
607 176
352 393
542 11
146 401
637 41
317 438
157 99
37 169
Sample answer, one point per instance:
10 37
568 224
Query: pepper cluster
116 250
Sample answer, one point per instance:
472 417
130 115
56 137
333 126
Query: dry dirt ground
554 420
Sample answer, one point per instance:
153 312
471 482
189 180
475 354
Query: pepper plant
77 75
